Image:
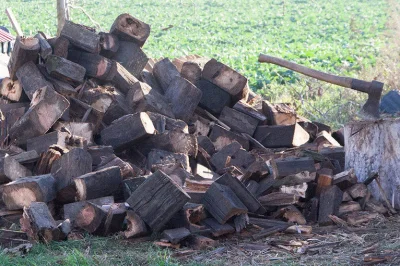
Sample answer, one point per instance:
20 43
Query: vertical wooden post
62 14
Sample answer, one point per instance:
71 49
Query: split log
163 123
126 168
291 166
213 99
45 48
135 225
123 79
157 159
47 107
24 191
61 46
109 44
131 57
101 155
189 217
71 210
227 79
329 204
62 87
238 121
222 203
11 170
98 184
47 159
278 199
222 137
279 114
128 28
39 224
130 185
281 136
136 127
91 218
84 130
82 112
205 143
157 200
192 69
247 109
81 37
324 138
25 50
176 235
335 153
116 214
345 180
65 70
164 72
42 143
11 90
31 79
357 191
218 229
200 127
324 180
311 210
148 78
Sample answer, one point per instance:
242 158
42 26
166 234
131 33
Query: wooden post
62 14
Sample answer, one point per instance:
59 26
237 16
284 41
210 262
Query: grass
340 37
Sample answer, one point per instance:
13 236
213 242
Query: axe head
370 110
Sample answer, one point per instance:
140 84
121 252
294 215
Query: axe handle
355 84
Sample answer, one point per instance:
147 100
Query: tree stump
373 147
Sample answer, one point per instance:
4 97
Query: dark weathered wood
39 224
157 159
163 123
176 235
82 112
335 153
291 166
269 231
347 207
91 218
218 229
116 214
61 46
130 185
136 128
247 109
278 199
164 72
222 137
31 79
9 118
311 210
295 179
101 155
81 37
192 69
42 143
213 99
279 114
45 48
65 70
23 191
189 217
142 98
221 159
281 136
324 138
205 143
338 135
72 209
148 78
98 184
227 79
324 180
172 141
25 50
135 225
11 90
329 203
128 28
222 203
239 121
47 158
11 169
131 57
123 79
157 199
109 44
357 191
26 157
96 65
126 168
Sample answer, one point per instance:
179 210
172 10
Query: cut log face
278 199
136 127
157 199
47 107
11 170
127 170
47 159
279 114
11 90
128 28
25 50
164 72
213 99
222 137
222 203
238 121
183 97
72 209
81 37
98 184
65 70
91 218
131 57
135 225
23 191
192 70
227 79
247 109
329 204
281 136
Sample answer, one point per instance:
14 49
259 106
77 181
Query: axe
370 110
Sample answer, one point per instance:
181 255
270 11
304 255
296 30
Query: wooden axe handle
341 81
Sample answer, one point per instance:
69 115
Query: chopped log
241 221
323 127
311 129
176 235
291 166
91 218
81 37
202 172
335 153
345 180
136 127
222 137
213 99
238 121
338 135
123 79
11 170
135 225
26 157
148 78
311 210
39 224
357 191
63 88
130 185
172 141
115 218
164 72
192 70
42 143
218 229
47 159
279 114
324 180
156 159
84 130
65 228
198 242
200 127
252 186
351 206
375 206
72 209
109 44
221 159
61 46
183 97
251 203
25 50
131 57
45 48
126 168
11 90
163 123
65 70
98 184
278 199
247 109
96 65
142 98
293 215
128 28
324 138
281 136
295 179
82 112
23 191
157 199
329 203
189 217
31 79
205 143
227 79
198 185
101 155
222 203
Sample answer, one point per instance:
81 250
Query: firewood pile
97 137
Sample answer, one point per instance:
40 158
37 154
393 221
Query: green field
341 37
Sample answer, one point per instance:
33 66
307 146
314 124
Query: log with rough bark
23 191
136 128
98 184
81 37
370 148
70 210
157 199
135 225
31 79
11 170
65 70
281 136
60 47
47 107
128 28
47 158
247 109
131 57
238 121
164 72
213 99
25 50
42 143
39 224
116 214
126 168
11 90
109 44
123 79
222 137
